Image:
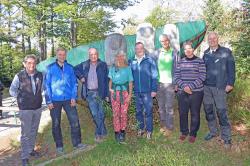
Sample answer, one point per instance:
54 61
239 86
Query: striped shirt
190 72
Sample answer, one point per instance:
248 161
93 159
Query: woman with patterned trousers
120 87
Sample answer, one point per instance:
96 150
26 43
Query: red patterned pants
120 110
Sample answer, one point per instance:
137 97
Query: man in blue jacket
145 76
220 80
93 75
61 92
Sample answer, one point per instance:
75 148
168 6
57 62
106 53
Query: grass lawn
160 151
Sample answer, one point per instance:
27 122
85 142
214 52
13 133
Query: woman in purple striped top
189 77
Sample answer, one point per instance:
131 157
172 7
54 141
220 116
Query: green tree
160 16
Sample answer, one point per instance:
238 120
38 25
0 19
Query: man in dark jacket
27 87
93 75
219 82
145 76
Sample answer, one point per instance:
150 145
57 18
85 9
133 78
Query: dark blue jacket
145 75
82 71
220 67
60 83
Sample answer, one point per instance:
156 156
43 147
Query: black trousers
193 103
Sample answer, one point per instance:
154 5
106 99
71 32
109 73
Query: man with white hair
166 58
27 88
219 82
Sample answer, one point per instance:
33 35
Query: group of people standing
162 75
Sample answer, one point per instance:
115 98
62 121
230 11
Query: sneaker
209 136
182 138
162 130
25 162
140 133
227 144
149 135
191 139
35 154
59 151
167 132
80 146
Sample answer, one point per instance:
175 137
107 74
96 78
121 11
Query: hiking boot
162 130
117 137
209 136
149 135
25 162
182 137
35 154
227 144
59 151
191 139
122 136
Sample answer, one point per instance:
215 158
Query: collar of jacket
97 64
208 50
144 58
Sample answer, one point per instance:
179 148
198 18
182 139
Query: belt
95 90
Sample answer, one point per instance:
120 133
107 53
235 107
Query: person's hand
229 88
129 99
187 90
50 106
111 91
107 99
153 94
73 103
176 88
83 80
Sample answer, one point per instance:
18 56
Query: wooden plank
69 155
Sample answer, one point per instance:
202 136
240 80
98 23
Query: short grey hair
187 43
30 56
164 36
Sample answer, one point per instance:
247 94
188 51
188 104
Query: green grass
140 152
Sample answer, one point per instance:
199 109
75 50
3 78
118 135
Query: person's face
213 40
188 50
165 42
30 65
139 50
61 56
120 59
93 55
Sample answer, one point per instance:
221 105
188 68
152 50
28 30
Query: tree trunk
73 34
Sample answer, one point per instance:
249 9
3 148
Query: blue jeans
72 116
144 103
97 112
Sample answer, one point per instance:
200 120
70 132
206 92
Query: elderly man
61 92
219 82
27 87
167 59
93 74
145 76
